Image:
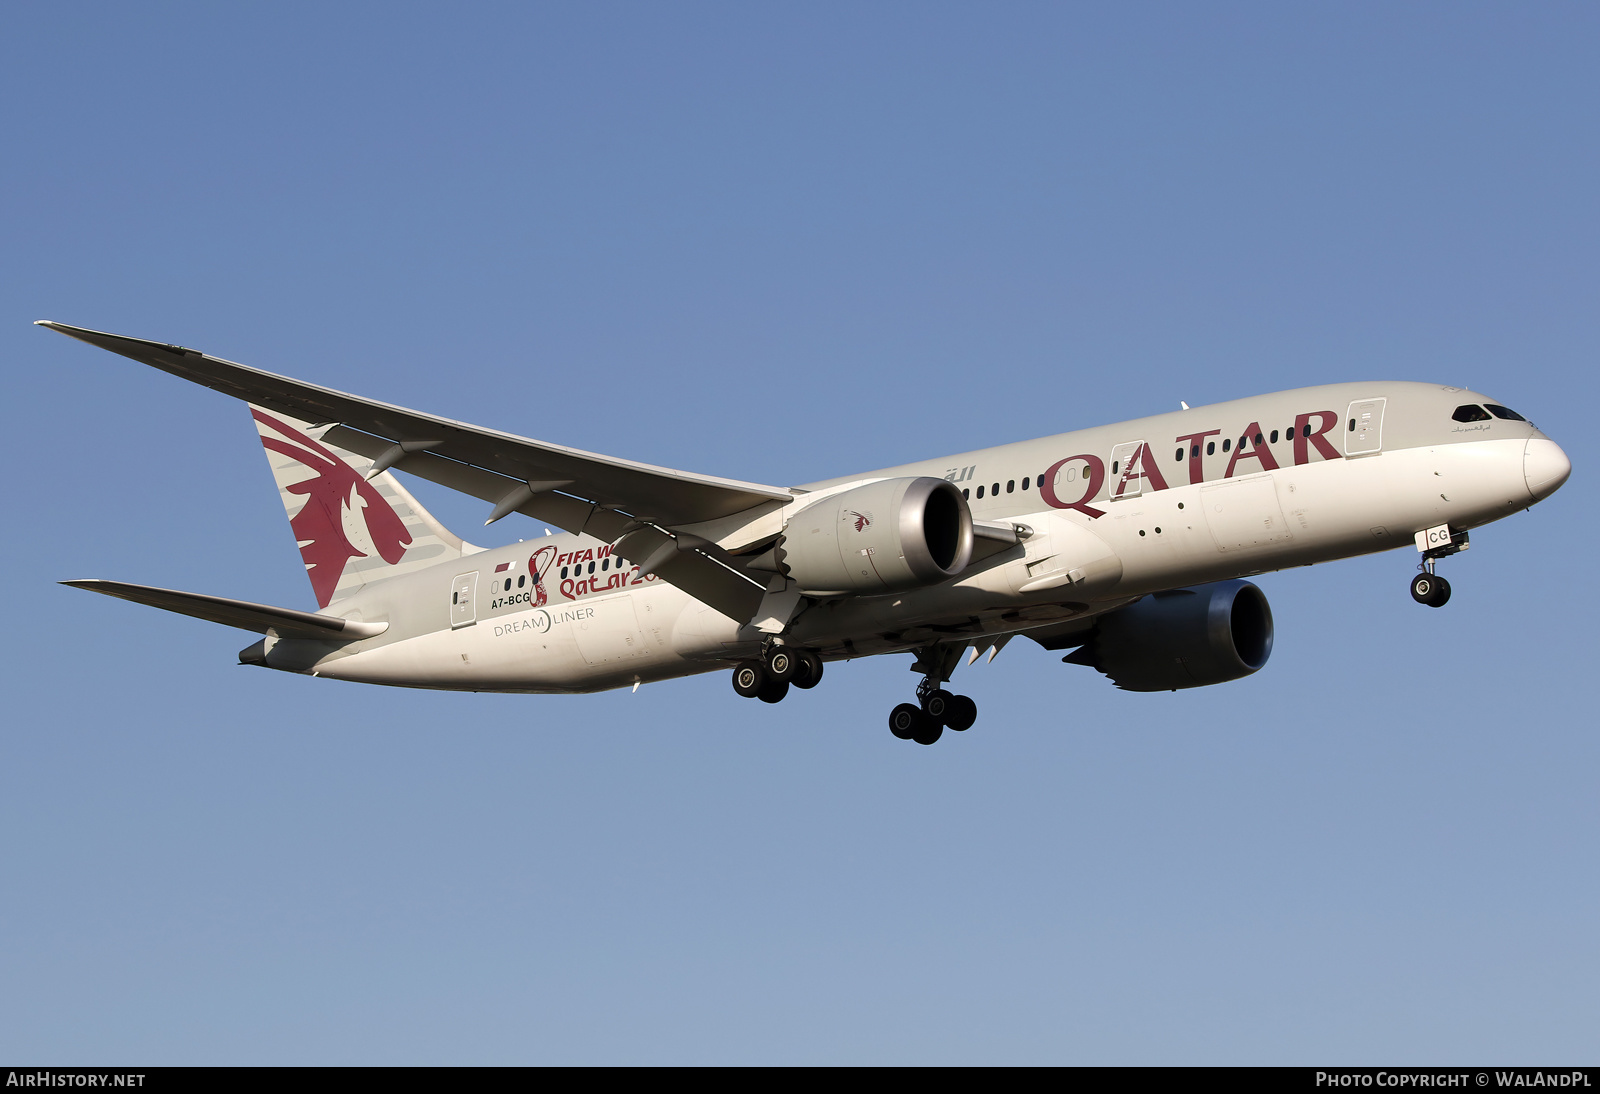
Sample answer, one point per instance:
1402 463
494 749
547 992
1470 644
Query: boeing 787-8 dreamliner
1125 544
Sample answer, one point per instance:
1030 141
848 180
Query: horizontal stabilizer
261 618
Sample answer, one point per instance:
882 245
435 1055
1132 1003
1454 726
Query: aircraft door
1126 481
464 600
1363 435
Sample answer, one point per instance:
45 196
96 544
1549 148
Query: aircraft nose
1545 467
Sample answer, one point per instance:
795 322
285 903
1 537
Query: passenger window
563 573
605 563
508 585
455 598
1194 453
591 567
1024 482
1504 412
1227 443
994 490
1274 437
1470 413
965 496
1011 486
521 581
980 493
1211 448
1114 467
1178 455
1258 438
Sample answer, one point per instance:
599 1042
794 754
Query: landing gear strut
935 709
1428 587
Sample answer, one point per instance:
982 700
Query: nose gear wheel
1430 589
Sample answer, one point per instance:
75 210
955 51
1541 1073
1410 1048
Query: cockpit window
1504 412
1471 413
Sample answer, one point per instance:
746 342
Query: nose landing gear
1428 587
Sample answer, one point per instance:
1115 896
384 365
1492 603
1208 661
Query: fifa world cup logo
538 565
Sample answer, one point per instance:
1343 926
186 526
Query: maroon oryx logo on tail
339 502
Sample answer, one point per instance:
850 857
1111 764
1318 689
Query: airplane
1125 545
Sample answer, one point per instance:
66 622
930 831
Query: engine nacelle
1186 638
888 535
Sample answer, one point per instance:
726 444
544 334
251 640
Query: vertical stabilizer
350 531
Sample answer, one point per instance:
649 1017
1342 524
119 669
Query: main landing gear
936 709
925 722
1428 587
770 677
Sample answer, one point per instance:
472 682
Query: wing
612 499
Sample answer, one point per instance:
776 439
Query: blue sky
783 243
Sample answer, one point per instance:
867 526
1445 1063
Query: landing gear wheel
961 714
937 705
749 678
1422 588
1441 593
931 731
781 664
1430 589
905 720
808 669
773 691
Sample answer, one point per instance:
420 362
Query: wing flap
701 569
260 618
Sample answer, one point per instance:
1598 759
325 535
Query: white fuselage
1122 511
